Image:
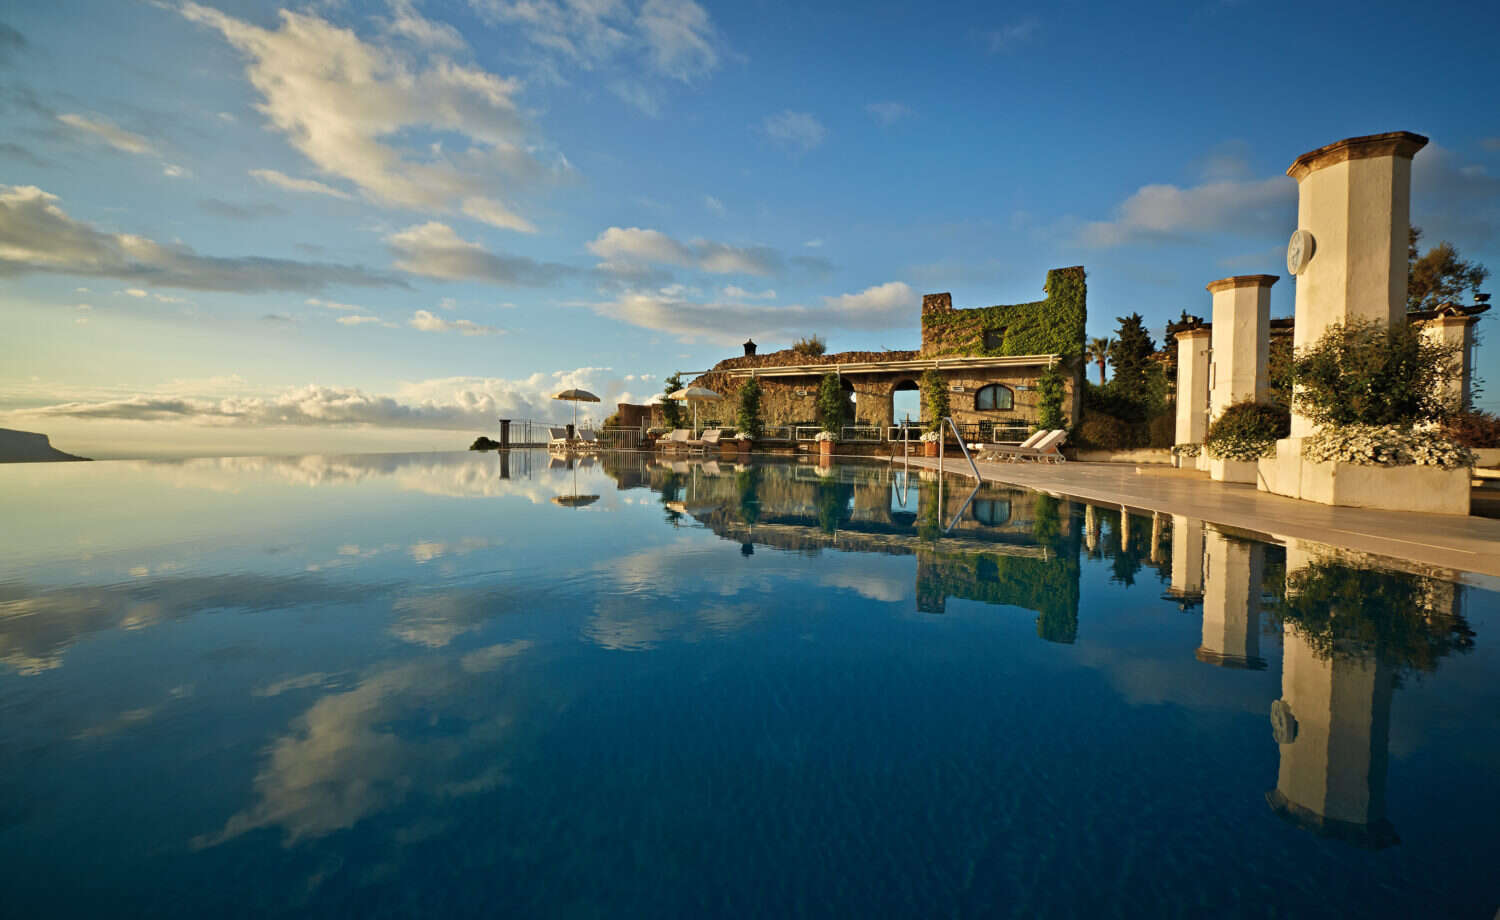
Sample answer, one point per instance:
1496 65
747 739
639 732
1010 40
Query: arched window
994 398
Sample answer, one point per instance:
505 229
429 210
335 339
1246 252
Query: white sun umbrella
576 396
695 395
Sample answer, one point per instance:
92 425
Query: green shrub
1050 399
934 398
671 409
1161 431
1111 400
812 346
1106 432
1369 373
833 405
1473 429
1247 431
747 419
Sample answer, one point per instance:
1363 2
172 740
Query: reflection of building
1331 724
1231 602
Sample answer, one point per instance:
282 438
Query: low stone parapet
1426 489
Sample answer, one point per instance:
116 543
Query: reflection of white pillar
1124 527
1231 603
1187 557
1332 725
1241 353
1090 528
1156 522
1192 384
1354 199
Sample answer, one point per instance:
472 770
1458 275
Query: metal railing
865 433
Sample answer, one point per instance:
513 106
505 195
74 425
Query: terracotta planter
825 448
929 448
744 448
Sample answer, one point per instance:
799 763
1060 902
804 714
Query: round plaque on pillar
1283 723
1299 251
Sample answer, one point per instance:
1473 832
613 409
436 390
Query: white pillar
1241 353
1231 603
1455 332
1354 198
1192 384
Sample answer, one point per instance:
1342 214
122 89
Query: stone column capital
1239 281
1403 144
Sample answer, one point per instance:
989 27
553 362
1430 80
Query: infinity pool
522 685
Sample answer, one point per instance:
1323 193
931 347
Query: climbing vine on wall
1054 326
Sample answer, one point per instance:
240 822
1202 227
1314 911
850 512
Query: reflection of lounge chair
557 438
1045 448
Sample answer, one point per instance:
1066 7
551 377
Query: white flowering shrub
825 436
1186 450
1385 445
931 435
1240 448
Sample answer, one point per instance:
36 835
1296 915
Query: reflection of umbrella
575 500
694 395
576 396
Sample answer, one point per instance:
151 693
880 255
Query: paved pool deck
1463 544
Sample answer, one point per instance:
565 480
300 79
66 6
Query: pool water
530 685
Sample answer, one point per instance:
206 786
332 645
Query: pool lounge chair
588 439
711 438
557 438
1045 448
679 440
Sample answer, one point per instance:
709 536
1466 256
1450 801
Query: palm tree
1098 352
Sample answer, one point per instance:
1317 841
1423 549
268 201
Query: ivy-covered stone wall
1054 326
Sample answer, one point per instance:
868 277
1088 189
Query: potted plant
930 443
826 440
743 440
935 398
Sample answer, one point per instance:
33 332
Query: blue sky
238 225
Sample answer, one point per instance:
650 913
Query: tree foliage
1439 276
1368 373
747 418
1049 387
934 399
811 345
1131 354
671 409
833 405
1098 352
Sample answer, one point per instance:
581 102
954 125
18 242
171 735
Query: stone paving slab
1464 544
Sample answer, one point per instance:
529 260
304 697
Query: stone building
990 357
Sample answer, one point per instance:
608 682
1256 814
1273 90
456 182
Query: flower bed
1385 445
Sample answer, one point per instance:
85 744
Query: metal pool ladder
961 446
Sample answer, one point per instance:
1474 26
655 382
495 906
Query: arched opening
848 388
906 403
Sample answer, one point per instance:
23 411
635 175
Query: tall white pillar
1231 603
1354 202
1192 384
1241 355
1457 333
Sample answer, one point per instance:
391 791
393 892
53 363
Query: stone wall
1054 326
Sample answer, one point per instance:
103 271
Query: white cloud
674 39
1009 36
888 113
104 130
407 23
292 184
435 251
451 403
1453 200
813 244
735 292
1161 212
799 132
356 319
172 170
134 292
727 322
346 104
431 322
622 247
36 235
333 305
496 214
714 205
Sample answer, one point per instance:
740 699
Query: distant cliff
29 447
